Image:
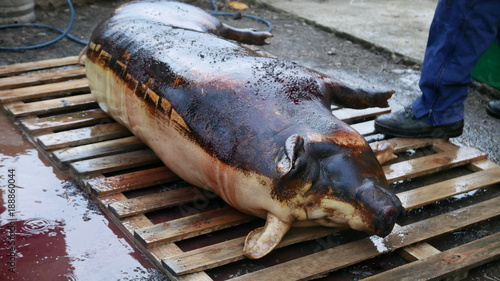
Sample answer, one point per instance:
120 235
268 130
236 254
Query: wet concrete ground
60 229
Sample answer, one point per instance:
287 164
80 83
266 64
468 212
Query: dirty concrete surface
303 40
399 26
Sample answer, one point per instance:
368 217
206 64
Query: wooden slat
83 136
115 162
403 144
435 192
232 250
190 226
42 78
37 125
43 91
93 150
349 115
320 263
156 201
200 276
106 185
432 163
419 251
364 128
129 224
13 69
481 165
448 263
20 109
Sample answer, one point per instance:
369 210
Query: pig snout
385 220
382 206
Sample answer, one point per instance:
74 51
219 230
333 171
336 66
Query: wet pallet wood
51 103
41 78
442 265
10 70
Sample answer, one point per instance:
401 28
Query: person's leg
460 32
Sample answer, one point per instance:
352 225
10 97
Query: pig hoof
263 240
383 151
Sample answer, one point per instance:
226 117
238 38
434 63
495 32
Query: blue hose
215 12
65 33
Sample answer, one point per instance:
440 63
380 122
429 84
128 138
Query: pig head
332 180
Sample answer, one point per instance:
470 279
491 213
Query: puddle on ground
53 231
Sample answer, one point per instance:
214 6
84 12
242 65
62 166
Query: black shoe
405 125
493 108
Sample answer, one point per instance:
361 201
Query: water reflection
37 246
58 232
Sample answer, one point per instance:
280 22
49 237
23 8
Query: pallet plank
36 125
232 250
448 263
404 144
82 136
113 163
320 263
13 69
364 128
43 91
190 226
20 109
432 163
199 276
435 192
419 251
156 201
129 224
93 150
41 78
101 185
349 115
481 165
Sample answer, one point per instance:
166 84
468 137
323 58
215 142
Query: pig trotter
346 96
263 240
245 35
383 151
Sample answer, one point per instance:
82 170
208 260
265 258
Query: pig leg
343 95
244 35
383 151
263 240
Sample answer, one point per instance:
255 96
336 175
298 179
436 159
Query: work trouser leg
460 32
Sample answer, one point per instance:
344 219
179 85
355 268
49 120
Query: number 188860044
11 192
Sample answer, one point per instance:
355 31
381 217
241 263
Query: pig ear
294 147
263 240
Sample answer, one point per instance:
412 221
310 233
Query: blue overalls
460 32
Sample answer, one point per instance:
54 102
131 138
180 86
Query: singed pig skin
257 131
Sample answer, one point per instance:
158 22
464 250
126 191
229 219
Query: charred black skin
242 107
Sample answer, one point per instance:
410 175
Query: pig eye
322 150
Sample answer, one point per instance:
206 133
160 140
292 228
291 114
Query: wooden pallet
190 234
